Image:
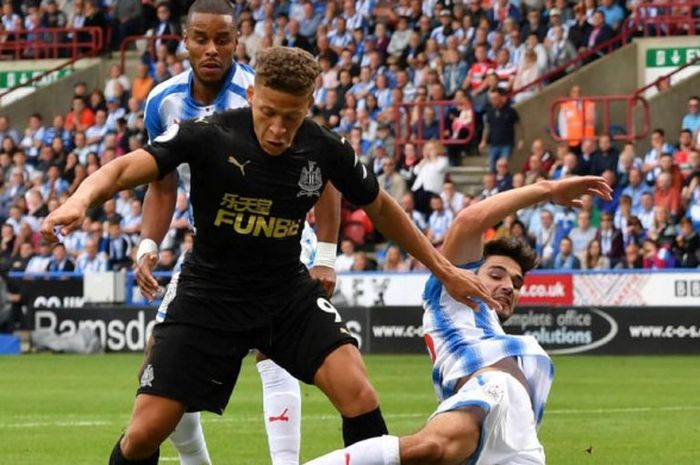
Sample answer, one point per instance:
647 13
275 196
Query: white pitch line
247 418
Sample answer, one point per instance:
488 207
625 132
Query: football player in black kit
256 172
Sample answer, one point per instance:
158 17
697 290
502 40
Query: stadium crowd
373 54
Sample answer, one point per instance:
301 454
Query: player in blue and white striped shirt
216 83
492 386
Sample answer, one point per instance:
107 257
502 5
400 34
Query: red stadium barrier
666 19
51 43
151 44
409 123
631 102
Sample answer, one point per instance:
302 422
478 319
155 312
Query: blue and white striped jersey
171 101
461 341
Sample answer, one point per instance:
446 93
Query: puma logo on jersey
241 166
282 417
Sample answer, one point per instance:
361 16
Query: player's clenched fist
63 220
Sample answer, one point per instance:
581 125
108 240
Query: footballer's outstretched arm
127 172
393 222
463 243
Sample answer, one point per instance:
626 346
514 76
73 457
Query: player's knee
361 399
139 442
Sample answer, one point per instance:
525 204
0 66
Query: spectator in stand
505 70
394 262
610 238
623 214
691 121
653 257
452 198
635 189
362 262
632 259
582 234
614 14
663 229
6 129
33 136
118 246
21 259
80 117
565 259
635 232
399 38
627 161
126 20
418 218
96 133
584 162
594 259
428 127
599 33
165 26
430 175
646 212
685 146
576 119
95 17
141 84
58 129
40 262
534 25
8 242
460 118
500 124
439 221
293 37
91 259
528 72
59 261
454 72
504 180
666 195
391 181
658 147
691 199
606 157
490 188
53 17
687 245
546 237
501 10
535 170
11 21
475 80
346 259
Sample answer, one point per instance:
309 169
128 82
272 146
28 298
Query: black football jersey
249 207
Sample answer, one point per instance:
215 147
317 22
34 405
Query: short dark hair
518 251
216 7
287 69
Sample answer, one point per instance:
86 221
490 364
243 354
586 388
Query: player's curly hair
287 69
520 252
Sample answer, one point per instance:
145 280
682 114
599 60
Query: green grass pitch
64 409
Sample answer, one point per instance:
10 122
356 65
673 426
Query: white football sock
188 439
282 410
383 450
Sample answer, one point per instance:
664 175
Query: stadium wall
55 98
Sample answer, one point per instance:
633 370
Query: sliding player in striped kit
493 387
216 83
